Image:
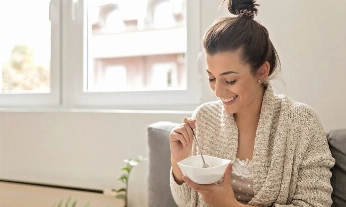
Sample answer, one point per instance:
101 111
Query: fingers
185 129
189 132
183 133
178 135
181 137
227 175
191 122
190 126
195 186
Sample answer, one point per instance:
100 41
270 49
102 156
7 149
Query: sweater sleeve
313 186
182 194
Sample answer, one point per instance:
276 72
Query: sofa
159 165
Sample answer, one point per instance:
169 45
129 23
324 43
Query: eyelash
211 79
227 82
231 82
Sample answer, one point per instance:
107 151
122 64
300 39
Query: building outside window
110 49
132 43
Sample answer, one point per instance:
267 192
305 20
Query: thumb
228 174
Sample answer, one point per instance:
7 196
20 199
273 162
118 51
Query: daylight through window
136 45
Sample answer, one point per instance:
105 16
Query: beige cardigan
291 158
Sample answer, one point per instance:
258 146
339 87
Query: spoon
205 165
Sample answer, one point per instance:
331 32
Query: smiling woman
233 74
278 146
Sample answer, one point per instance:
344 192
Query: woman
278 146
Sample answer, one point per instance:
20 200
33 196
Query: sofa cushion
159 165
337 145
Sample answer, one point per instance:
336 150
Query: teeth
229 99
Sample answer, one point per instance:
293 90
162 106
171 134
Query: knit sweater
291 158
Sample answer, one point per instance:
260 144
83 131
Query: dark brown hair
242 32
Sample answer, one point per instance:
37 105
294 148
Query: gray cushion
159 165
337 145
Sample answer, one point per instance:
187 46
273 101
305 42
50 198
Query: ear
263 72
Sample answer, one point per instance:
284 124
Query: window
141 41
29 66
114 52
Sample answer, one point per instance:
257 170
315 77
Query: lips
230 100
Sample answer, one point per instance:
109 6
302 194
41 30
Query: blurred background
80 81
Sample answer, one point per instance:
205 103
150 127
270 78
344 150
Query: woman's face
233 82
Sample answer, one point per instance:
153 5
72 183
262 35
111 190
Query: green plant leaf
123 180
87 205
123 176
60 203
68 202
74 203
121 190
120 196
126 169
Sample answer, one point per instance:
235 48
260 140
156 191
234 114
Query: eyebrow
224 73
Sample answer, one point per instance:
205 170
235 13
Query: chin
229 110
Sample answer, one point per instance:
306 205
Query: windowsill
109 111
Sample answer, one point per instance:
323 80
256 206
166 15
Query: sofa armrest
337 145
159 165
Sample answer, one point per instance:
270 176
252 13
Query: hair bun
242 7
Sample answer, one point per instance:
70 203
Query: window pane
136 45
25 46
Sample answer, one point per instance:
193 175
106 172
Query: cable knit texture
291 159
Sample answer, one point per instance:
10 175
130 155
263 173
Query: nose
220 89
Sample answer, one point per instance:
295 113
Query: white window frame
53 97
69 63
75 95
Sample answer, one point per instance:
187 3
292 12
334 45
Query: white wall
81 149
87 148
310 39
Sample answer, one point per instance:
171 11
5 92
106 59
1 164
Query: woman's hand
220 195
181 139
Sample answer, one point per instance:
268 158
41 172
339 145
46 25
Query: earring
259 81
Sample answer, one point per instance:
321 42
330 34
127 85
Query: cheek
247 93
212 86
242 90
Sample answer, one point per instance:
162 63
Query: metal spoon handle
200 150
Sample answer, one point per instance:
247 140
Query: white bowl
191 167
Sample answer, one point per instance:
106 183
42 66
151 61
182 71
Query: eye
231 82
211 79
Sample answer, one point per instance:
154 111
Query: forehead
226 61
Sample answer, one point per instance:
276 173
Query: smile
229 100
